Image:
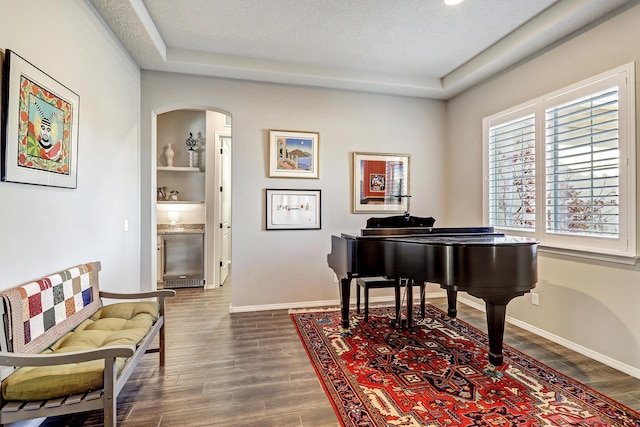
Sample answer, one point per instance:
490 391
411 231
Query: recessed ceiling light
452 2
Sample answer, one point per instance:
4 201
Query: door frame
224 174
213 209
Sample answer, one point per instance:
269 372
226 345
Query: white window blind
583 166
512 175
561 168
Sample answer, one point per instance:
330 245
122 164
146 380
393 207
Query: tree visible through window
512 174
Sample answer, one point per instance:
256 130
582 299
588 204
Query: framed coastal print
293 154
39 126
380 182
293 209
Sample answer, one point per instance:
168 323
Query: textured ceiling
408 47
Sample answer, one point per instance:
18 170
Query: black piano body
477 260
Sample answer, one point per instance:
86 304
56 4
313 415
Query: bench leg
398 297
161 345
366 303
109 398
161 337
358 299
110 413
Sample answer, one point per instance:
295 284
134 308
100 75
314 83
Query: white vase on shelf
169 153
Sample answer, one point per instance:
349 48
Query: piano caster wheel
492 371
452 322
403 324
346 333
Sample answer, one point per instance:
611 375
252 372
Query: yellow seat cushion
115 324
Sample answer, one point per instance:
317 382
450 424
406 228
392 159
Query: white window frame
621 249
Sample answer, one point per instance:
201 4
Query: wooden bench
62 351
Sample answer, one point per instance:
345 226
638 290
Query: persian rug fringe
312 310
325 309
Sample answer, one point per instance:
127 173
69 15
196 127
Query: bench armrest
161 293
25 359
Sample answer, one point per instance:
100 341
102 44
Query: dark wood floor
250 369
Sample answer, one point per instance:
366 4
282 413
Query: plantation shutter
583 165
562 168
512 174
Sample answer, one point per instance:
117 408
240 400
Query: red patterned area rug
432 375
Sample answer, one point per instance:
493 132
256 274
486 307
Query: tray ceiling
420 48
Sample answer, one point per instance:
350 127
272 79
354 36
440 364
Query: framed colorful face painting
380 182
39 126
293 154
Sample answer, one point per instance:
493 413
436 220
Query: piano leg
345 295
452 303
496 314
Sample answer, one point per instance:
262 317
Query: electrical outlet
535 298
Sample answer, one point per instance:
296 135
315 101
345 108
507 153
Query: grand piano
477 260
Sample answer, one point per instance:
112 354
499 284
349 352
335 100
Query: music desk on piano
478 260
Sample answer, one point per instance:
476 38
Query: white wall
45 229
290 267
592 306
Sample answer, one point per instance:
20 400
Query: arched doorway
202 188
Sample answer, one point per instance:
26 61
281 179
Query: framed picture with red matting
380 182
39 126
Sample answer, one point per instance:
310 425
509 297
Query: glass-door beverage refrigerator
183 260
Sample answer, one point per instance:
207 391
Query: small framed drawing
40 127
380 182
293 154
293 209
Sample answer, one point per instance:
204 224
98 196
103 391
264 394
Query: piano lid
432 231
496 239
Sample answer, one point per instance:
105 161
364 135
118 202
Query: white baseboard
287 306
